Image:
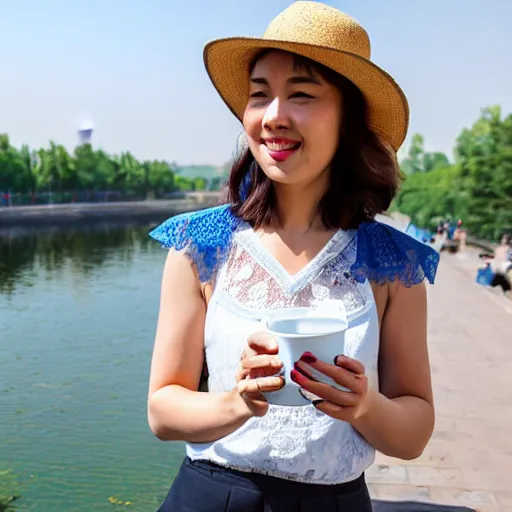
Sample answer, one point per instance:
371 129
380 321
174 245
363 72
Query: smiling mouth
281 149
281 144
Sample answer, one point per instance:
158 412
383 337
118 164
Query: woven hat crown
324 35
321 25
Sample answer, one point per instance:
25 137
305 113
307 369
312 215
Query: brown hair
364 175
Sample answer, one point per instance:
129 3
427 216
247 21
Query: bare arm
400 419
176 410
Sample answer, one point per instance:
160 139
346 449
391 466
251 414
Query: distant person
457 231
459 237
323 126
501 265
498 267
503 254
440 238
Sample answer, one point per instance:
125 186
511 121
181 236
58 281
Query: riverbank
86 213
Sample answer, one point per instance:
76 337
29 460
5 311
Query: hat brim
227 60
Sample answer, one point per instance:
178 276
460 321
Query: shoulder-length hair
364 172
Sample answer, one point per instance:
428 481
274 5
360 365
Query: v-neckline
292 283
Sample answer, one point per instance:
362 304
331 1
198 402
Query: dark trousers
201 486
501 280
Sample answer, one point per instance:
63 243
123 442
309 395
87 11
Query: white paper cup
299 330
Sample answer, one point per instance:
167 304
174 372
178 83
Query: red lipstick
281 149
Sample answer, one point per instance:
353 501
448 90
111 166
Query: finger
325 391
270 363
354 381
349 363
333 410
258 373
261 385
242 373
263 343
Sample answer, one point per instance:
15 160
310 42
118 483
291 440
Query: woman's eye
258 94
301 95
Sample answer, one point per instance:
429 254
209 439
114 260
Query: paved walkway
469 458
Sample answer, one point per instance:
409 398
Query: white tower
85 132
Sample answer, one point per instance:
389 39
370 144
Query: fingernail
294 375
318 401
336 359
298 369
304 395
310 397
308 358
302 372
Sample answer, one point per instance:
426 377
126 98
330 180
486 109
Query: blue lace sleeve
386 254
205 236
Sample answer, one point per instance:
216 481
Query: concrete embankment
78 213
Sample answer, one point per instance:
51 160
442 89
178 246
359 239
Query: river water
78 311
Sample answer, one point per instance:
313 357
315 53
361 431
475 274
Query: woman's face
292 119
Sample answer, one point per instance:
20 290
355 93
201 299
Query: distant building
85 133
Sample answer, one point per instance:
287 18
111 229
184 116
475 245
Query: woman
322 125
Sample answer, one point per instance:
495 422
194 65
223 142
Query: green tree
418 160
476 189
485 155
15 172
160 177
54 169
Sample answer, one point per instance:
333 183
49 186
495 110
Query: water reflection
83 249
78 309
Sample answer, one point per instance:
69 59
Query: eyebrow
297 80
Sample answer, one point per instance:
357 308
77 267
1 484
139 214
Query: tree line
86 171
476 187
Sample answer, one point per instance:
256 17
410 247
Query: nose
275 117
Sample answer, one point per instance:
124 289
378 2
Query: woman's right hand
257 372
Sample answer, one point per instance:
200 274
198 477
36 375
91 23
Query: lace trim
205 236
249 241
385 254
255 281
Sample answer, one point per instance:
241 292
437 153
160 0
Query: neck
297 207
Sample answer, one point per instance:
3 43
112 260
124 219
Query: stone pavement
469 458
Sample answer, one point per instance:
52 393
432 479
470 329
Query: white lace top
295 443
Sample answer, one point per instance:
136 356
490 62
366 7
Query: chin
279 175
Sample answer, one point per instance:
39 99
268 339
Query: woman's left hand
347 406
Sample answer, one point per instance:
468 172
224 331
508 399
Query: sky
134 69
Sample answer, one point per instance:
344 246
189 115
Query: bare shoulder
398 296
180 269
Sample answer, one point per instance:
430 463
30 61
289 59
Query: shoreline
86 213
151 210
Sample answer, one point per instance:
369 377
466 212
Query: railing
66 197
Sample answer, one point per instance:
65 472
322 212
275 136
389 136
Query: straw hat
322 34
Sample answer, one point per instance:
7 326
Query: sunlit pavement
469 459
